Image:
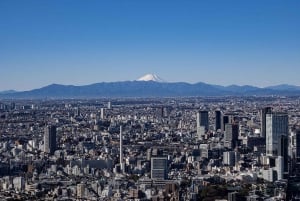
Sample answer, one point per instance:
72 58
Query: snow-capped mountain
150 77
149 85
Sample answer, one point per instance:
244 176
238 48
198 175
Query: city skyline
150 148
244 43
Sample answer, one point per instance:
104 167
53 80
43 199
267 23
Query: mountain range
149 86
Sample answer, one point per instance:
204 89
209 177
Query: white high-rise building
102 113
109 105
19 183
121 151
279 167
200 132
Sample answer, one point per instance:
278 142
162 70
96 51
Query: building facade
50 139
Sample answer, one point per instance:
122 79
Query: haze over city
217 42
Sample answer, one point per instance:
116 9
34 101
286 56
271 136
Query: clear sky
75 42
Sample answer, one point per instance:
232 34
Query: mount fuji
151 77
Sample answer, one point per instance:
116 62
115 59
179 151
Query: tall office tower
159 168
50 140
200 132
280 167
218 123
297 145
264 112
77 111
277 137
229 158
283 151
224 122
276 129
202 123
202 119
231 135
294 145
121 150
102 113
109 105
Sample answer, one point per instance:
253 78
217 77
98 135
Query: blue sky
81 42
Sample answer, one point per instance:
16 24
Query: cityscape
131 100
211 148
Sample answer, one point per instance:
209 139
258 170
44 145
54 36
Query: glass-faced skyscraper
218 116
202 123
202 119
231 135
225 120
159 168
50 140
276 132
277 140
264 112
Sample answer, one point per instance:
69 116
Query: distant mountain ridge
8 92
149 89
284 87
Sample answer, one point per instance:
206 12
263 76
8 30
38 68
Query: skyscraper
297 145
202 119
280 167
277 139
264 112
159 168
50 139
102 113
202 123
283 151
224 122
294 145
231 135
229 158
276 132
218 124
121 150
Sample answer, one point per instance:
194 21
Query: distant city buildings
150 149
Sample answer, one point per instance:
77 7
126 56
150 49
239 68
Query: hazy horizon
138 80
244 43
